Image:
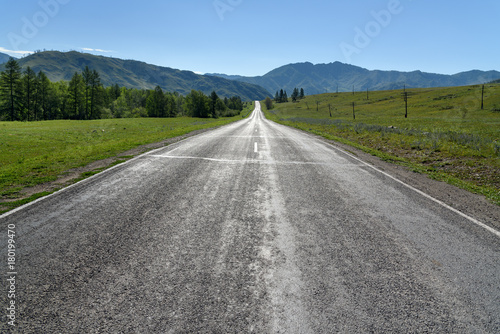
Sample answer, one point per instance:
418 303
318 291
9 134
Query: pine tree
76 97
87 81
213 104
43 91
95 86
301 95
11 88
295 94
29 85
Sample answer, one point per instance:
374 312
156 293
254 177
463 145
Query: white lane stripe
255 147
270 162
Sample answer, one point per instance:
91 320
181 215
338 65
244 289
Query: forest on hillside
29 96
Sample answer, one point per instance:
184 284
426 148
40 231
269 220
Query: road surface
252 227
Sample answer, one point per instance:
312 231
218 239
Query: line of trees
29 96
281 96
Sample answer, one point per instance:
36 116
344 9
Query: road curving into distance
252 227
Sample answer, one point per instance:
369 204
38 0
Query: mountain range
322 78
313 78
135 74
4 58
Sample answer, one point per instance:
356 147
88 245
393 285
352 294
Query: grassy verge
249 107
446 134
38 152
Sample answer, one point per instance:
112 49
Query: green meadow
446 133
33 153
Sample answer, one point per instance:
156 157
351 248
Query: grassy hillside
135 74
446 134
33 153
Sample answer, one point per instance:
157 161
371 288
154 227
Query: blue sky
252 37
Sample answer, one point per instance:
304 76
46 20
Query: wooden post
406 104
482 98
353 114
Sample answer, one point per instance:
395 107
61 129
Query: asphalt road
252 227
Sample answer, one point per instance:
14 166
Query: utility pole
482 98
330 109
317 105
353 114
405 97
367 94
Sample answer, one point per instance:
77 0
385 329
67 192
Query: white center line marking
255 147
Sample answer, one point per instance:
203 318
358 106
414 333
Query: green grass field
32 153
446 134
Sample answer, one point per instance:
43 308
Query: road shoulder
476 206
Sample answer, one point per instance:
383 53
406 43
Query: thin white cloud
96 50
15 53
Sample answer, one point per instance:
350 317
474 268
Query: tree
220 107
114 92
57 97
87 81
301 95
170 105
155 104
234 103
95 95
120 107
269 103
197 104
29 85
43 92
295 94
11 89
213 104
76 97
